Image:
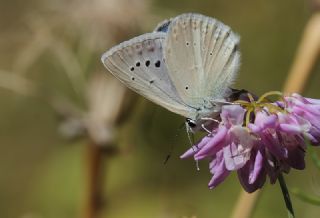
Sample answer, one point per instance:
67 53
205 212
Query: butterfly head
191 123
203 124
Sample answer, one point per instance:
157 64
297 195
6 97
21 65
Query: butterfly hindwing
163 26
202 58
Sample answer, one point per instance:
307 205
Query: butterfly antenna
191 140
173 145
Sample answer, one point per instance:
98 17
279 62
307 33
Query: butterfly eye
191 122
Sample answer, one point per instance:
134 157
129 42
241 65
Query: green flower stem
286 196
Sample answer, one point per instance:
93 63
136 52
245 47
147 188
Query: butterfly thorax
204 115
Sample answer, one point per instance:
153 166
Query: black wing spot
210 53
132 78
138 64
157 64
187 87
151 81
132 69
147 63
187 43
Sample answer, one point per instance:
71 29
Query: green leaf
314 156
311 199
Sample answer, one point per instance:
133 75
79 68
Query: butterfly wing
139 64
163 26
202 58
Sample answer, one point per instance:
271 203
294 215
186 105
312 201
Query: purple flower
306 109
259 139
229 146
253 175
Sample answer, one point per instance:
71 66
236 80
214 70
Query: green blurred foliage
43 175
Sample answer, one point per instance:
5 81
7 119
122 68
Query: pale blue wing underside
202 58
140 65
185 65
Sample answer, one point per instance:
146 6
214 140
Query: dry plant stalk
17 84
94 179
107 102
306 57
299 74
246 204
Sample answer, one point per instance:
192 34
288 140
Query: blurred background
68 130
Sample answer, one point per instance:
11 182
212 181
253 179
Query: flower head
259 140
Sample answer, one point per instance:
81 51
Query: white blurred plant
75 33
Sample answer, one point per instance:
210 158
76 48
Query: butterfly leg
210 119
205 129
191 140
190 134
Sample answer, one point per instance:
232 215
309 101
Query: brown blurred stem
97 157
315 5
94 180
117 102
298 77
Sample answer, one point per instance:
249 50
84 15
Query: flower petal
289 128
237 153
232 114
271 141
264 120
195 148
245 173
214 145
313 101
257 168
218 170
296 158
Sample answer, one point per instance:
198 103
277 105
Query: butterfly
185 65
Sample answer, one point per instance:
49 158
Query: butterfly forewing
202 58
139 64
